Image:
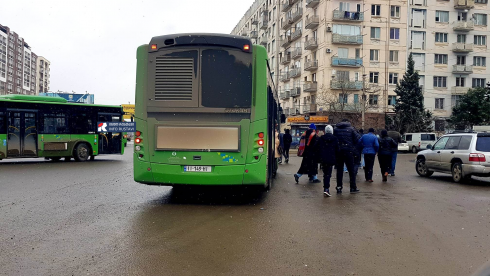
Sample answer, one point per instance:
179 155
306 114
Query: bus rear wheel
82 152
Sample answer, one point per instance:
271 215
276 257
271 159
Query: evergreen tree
411 115
472 109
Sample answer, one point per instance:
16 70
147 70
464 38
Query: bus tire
81 152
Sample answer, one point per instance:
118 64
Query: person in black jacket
386 147
287 140
327 148
309 165
347 137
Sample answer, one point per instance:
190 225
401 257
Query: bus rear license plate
197 169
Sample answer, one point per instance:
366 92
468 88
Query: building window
442 16
393 78
395 11
481 1
440 82
440 59
343 98
393 56
373 55
373 77
392 100
441 37
439 103
480 19
375 32
480 40
394 33
478 83
460 82
376 10
373 99
356 98
480 61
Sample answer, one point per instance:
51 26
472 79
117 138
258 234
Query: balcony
297 53
284 95
286 111
286 41
312 3
312 22
255 21
464 26
311 65
346 85
297 14
263 23
462 69
457 90
348 16
296 91
310 86
462 47
286 59
295 110
296 35
307 108
464 4
254 34
264 41
347 62
287 5
311 44
244 32
346 39
284 77
295 72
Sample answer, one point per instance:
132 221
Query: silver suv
462 155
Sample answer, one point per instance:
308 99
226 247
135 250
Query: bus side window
3 122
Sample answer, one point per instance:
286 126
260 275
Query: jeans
362 161
327 174
286 152
393 162
368 170
346 157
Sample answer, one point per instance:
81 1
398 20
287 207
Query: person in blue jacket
370 147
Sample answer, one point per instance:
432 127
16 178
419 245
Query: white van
419 141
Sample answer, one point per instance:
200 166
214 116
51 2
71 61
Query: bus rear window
483 144
226 78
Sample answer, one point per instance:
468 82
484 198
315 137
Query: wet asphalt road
91 218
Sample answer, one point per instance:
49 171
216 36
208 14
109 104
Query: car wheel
457 173
82 152
421 168
414 149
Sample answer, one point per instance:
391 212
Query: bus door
22 134
109 143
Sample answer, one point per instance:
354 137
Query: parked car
419 141
461 155
403 146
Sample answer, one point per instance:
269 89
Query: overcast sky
91 44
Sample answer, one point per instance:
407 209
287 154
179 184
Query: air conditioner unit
329 50
329 29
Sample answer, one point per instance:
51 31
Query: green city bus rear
192 125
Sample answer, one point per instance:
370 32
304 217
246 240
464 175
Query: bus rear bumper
170 175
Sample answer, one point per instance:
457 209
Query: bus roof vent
173 79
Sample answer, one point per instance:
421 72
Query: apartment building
330 52
42 80
18 64
448 41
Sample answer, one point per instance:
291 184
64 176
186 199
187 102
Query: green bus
39 126
204 113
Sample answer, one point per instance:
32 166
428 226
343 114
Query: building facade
18 64
349 55
42 80
448 41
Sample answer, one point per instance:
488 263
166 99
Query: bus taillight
138 133
260 142
138 140
261 135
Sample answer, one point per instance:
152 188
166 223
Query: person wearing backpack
386 146
348 139
309 165
327 149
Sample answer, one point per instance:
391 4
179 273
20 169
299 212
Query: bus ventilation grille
173 79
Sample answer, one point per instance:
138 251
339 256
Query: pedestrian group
345 149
